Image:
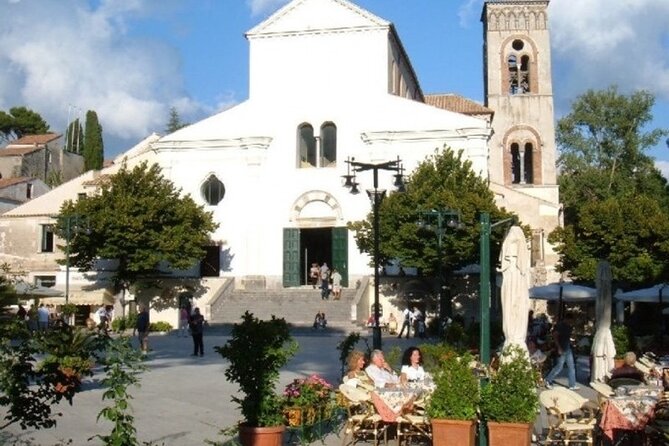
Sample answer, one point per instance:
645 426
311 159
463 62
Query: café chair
362 421
413 426
604 392
569 420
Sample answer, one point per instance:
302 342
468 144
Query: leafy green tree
93 146
74 140
21 121
174 123
139 220
443 180
615 200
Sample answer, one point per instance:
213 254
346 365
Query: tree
615 200
443 180
93 146
174 123
21 121
139 220
74 137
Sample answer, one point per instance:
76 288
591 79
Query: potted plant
256 351
307 400
509 403
452 405
623 342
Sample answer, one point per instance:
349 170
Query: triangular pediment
317 15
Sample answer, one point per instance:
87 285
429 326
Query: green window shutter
291 257
340 253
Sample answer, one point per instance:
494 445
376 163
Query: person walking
42 318
325 282
562 337
183 321
197 332
336 284
142 325
408 314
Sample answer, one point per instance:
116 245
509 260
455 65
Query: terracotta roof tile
457 103
6 182
18 151
34 139
97 181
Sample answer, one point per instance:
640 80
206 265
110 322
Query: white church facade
331 82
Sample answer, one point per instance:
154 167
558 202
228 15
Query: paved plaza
185 400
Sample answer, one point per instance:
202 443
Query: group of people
189 321
412 318
329 281
39 318
379 374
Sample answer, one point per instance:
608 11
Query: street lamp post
445 218
376 195
72 225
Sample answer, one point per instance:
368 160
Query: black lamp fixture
376 195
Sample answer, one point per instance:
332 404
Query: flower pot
261 436
509 434
453 432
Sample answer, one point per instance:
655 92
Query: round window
518 44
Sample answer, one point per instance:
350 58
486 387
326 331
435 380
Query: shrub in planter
160 326
622 339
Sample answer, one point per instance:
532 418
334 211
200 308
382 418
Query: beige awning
100 296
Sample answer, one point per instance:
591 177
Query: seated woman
355 375
412 366
628 370
392 324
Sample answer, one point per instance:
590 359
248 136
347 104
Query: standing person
142 327
419 323
336 284
407 322
21 313
562 337
197 331
103 314
42 318
183 321
325 281
314 273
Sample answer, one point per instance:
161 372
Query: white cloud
597 43
663 167
85 58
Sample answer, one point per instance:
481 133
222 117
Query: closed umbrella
603 349
515 269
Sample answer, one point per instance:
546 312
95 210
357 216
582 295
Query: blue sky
131 60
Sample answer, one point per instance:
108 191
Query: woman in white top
412 366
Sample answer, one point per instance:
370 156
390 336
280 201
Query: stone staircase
297 305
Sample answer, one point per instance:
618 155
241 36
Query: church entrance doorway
304 246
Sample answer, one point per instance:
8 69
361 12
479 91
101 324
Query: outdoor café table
629 412
391 403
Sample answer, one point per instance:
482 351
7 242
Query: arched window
213 190
519 69
306 146
522 163
328 145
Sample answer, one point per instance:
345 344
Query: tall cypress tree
74 137
93 146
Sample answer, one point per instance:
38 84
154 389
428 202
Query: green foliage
174 123
93 150
140 220
256 351
433 355
160 326
623 340
120 324
616 203
68 309
346 346
393 357
21 121
74 137
443 180
456 395
123 366
511 396
33 365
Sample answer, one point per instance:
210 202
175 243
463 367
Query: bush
124 323
160 326
456 395
622 339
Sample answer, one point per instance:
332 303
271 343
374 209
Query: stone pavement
185 400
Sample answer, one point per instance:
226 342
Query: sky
132 60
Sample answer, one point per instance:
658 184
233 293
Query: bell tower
518 88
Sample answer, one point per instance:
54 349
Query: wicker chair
570 418
362 421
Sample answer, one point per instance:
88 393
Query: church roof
18 151
6 182
457 103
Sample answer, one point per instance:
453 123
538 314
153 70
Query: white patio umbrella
24 289
603 350
515 269
655 294
563 293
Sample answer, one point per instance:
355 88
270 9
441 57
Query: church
331 82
